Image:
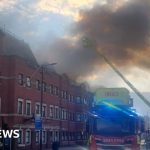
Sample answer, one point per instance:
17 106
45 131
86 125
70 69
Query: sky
74 32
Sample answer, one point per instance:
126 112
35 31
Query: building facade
64 104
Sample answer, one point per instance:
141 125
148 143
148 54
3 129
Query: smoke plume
121 33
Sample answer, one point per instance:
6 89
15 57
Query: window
56 112
28 136
38 85
65 95
66 136
78 117
44 137
20 106
85 117
84 101
37 136
44 87
28 82
51 111
69 136
28 107
65 114
37 109
62 94
20 139
20 79
69 115
62 114
69 97
72 98
44 111
63 136
51 89
79 135
78 100
56 136
55 90
73 116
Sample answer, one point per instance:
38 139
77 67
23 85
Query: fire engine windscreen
114 122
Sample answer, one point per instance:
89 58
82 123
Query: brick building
65 104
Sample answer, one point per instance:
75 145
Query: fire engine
115 129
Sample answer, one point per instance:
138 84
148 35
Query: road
82 148
74 148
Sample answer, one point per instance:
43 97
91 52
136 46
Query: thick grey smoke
122 34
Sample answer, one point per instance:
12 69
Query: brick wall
65 104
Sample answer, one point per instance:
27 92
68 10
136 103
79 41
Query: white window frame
37 131
20 135
65 114
51 89
20 100
51 111
56 112
78 116
28 81
44 140
39 108
62 94
28 130
69 97
38 84
65 95
54 90
78 100
29 102
44 105
20 79
72 98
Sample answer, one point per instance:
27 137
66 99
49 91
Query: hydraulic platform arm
88 43
125 80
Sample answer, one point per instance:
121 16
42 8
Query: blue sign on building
38 123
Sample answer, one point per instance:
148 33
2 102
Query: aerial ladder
125 80
87 43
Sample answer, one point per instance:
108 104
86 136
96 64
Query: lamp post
41 102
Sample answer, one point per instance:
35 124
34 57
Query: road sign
38 123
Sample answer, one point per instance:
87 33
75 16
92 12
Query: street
84 148
74 148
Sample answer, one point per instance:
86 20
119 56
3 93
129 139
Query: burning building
64 106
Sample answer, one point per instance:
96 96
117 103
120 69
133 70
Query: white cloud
108 78
7 4
64 7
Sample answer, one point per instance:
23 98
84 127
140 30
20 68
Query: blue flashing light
109 106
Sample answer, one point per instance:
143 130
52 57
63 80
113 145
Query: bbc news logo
9 134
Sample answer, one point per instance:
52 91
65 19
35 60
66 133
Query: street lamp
41 103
